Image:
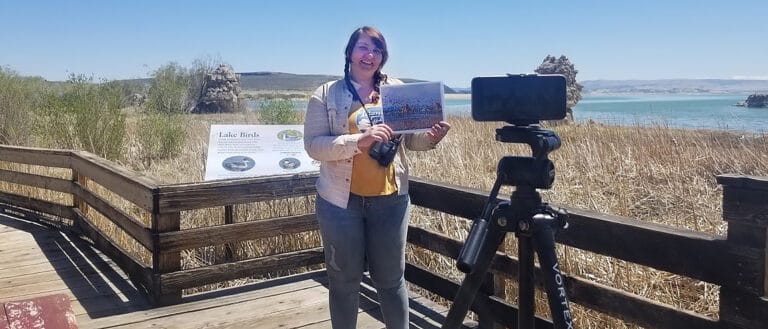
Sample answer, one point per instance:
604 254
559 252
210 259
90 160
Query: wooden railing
736 262
173 199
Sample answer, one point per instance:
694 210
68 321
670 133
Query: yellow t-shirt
369 178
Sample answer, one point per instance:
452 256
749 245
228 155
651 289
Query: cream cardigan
327 139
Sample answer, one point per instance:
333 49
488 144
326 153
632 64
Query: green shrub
19 98
170 91
173 91
161 135
278 111
86 116
201 67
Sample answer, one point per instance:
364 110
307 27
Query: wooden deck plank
104 309
51 249
98 306
43 266
77 288
20 226
235 315
48 244
8 230
15 241
97 303
66 274
12 241
51 281
44 277
301 304
320 318
368 316
56 252
305 308
316 315
5 229
204 303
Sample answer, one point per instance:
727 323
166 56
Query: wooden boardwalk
39 261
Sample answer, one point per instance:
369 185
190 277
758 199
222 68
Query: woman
362 205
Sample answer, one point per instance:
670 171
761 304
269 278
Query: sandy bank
458 96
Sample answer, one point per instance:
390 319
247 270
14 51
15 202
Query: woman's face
365 58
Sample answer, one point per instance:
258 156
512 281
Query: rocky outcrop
561 65
756 100
220 92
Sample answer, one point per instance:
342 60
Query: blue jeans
372 230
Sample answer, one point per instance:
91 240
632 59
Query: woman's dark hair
378 41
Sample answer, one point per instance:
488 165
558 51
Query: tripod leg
472 281
526 288
544 241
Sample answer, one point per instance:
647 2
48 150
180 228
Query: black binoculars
384 152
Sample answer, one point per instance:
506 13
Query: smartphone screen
519 99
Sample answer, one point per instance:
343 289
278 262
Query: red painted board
3 319
49 312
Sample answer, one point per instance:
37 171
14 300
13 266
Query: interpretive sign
237 151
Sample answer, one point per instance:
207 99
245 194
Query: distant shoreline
662 93
458 96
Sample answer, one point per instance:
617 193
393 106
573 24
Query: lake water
678 111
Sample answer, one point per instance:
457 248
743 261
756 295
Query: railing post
229 218
164 261
743 304
76 201
492 286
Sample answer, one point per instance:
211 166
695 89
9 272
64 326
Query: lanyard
357 97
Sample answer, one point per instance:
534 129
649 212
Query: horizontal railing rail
178 197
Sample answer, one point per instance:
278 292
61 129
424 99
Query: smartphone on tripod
521 101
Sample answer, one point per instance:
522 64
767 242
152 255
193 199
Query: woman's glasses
363 49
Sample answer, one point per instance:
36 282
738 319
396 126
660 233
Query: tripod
533 222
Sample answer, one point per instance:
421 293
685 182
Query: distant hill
282 81
265 81
287 81
672 86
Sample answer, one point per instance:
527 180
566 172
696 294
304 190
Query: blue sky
449 41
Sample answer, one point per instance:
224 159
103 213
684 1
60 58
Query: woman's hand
376 133
438 131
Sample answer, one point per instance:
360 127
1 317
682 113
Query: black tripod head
536 171
526 174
